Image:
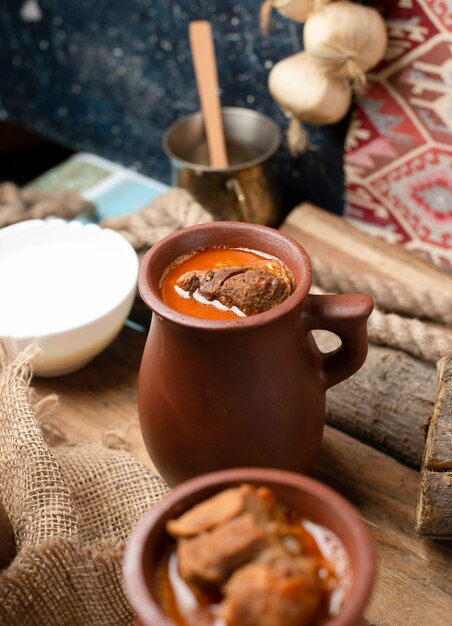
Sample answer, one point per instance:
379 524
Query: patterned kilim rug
399 146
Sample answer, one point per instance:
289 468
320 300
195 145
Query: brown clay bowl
307 496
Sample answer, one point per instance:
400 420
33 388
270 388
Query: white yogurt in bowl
65 286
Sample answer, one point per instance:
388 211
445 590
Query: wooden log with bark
434 506
347 259
387 403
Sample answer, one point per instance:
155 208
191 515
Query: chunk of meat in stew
205 516
221 508
285 592
209 558
250 288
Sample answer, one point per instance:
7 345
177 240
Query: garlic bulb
307 95
297 10
346 39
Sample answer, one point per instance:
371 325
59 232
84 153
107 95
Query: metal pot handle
234 185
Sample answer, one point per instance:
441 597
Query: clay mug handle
346 316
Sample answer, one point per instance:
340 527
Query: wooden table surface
414 585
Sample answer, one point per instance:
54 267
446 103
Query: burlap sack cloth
71 508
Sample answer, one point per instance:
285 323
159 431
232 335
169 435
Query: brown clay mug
248 391
303 495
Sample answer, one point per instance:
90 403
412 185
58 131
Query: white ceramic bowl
65 286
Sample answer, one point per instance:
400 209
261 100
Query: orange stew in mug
223 283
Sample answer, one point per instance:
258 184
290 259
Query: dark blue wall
108 76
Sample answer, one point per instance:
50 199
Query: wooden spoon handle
204 62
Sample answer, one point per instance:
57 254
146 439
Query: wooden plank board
413 573
414 582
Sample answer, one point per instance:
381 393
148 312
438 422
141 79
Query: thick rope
167 213
424 341
391 296
420 339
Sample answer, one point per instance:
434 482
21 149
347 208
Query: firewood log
434 506
387 403
346 259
